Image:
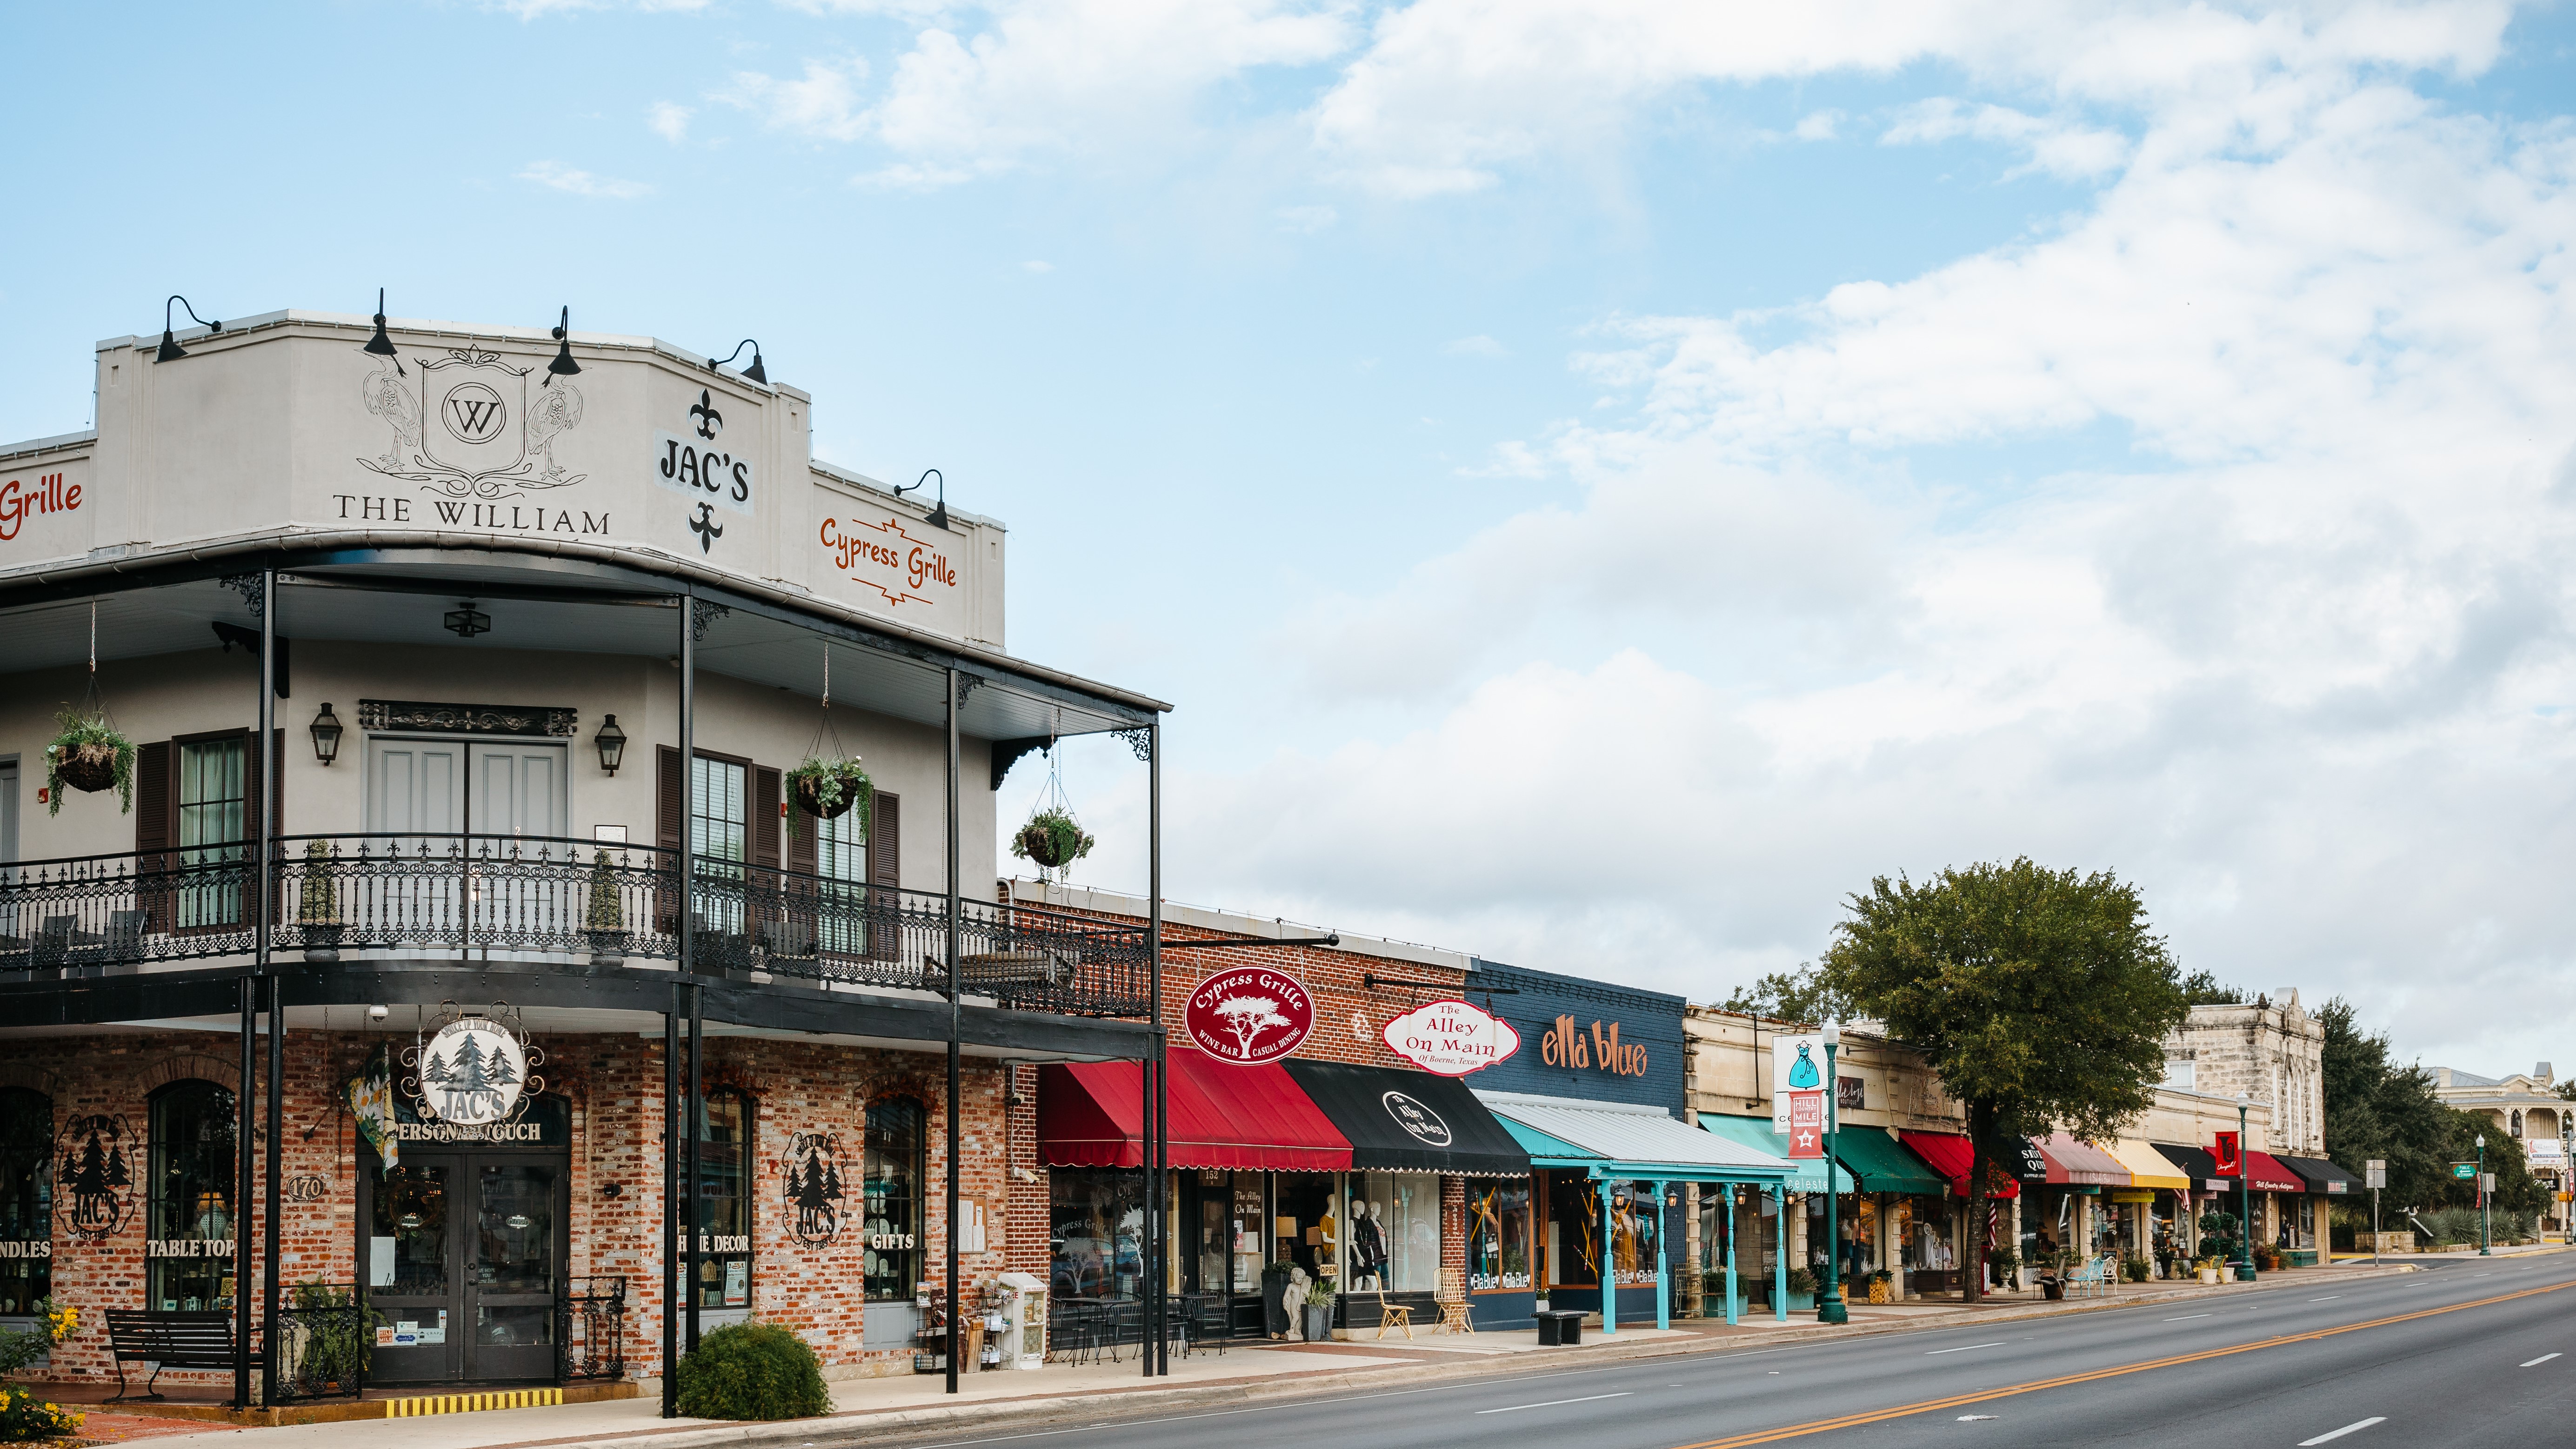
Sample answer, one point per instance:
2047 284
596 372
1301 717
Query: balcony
565 905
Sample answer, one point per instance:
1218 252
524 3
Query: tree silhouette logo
1249 1016
813 1187
472 1073
97 1171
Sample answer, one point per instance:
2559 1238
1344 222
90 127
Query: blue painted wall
1652 1019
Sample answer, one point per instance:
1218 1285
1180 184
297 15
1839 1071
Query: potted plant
1882 1286
1802 1289
1274 1307
603 920
2207 1270
2135 1270
1051 840
1318 1314
317 908
828 789
90 754
2006 1267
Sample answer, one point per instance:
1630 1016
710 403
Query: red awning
2081 1163
1952 1157
2264 1174
1223 1115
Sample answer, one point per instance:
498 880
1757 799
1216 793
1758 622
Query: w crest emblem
470 430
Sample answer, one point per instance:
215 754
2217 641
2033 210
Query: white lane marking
2187 1318
1963 1348
2535 1363
2339 1433
1552 1403
1976 1418
2329 1298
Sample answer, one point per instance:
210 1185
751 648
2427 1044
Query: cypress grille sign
1249 1015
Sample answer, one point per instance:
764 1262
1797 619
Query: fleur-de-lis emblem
706 528
704 410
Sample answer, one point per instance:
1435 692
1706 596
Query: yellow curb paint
471 1403
1850 1421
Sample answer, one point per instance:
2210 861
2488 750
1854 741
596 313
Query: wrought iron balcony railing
515 898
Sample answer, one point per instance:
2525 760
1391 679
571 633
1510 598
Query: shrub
2135 1270
1801 1281
1320 1293
752 1371
24 1417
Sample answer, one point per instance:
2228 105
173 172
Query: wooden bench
168 1339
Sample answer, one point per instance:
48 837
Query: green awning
1755 1132
1883 1165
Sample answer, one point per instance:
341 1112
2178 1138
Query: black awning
1402 1121
2021 1158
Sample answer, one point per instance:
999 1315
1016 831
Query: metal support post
1609 1273
956 993
2244 1189
1161 1118
692 1132
264 944
245 1137
1663 1292
1829 1304
1726 1215
1780 1259
671 1202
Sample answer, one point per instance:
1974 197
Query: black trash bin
1561 1327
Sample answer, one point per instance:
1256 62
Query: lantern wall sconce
465 621
612 745
326 735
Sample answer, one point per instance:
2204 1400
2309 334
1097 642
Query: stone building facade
2271 1050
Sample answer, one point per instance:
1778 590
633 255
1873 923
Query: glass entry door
464 1255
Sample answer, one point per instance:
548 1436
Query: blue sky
1600 481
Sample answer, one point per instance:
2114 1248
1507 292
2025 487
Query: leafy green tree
2040 997
2376 1108
2202 989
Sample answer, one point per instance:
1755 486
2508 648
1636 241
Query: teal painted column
1663 1290
1780 1259
1734 1303
1609 1273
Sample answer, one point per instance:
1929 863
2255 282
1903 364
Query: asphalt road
2379 1362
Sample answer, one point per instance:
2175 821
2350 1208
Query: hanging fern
83 735
831 787
1052 839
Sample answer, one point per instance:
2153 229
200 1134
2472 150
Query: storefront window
1927 1235
1636 1231
718 813
189 1263
893 1207
724 1191
1096 1231
1394 1232
841 859
1573 1232
26 1199
1498 1233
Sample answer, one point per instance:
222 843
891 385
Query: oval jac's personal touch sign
1249 1015
1451 1038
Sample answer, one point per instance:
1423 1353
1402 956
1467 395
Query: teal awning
1882 1164
1626 1141
1806 1174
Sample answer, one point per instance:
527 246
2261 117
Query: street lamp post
1829 1304
2485 1249
2244 1187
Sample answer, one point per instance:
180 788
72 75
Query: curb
837 1427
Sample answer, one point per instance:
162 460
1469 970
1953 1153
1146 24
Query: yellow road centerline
1926 1406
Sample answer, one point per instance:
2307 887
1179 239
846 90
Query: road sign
2486 1182
2375 1174
2464 1171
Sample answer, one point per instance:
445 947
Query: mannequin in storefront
1368 1247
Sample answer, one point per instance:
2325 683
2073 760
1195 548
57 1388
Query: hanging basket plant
828 789
90 754
1051 840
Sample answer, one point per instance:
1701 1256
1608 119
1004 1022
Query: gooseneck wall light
381 345
170 350
563 365
755 372
938 515
326 735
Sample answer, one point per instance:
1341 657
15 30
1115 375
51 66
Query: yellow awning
2147 1166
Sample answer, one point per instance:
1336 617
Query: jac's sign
1566 1044
1249 1015
1451 1038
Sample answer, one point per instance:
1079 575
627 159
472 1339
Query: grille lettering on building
20 501
1568 1044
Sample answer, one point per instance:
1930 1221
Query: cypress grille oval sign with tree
1249 1015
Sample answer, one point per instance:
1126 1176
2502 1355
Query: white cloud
582 183
1307 219
2059 147
1818 126
822 104
669 121
1477 346
2271 613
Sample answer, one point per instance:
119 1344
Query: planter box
1802 1302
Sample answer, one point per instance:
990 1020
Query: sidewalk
1249 1371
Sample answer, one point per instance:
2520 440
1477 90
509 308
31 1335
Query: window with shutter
152 834
884 847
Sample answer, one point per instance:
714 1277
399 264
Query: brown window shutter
670 797
152 812
804 834
885 841
765 818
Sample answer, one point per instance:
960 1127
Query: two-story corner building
515 981
2270 1053
2526 1107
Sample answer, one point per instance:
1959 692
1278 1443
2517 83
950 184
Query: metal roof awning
1806 1175
1617 1140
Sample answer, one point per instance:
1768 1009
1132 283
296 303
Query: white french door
419 790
